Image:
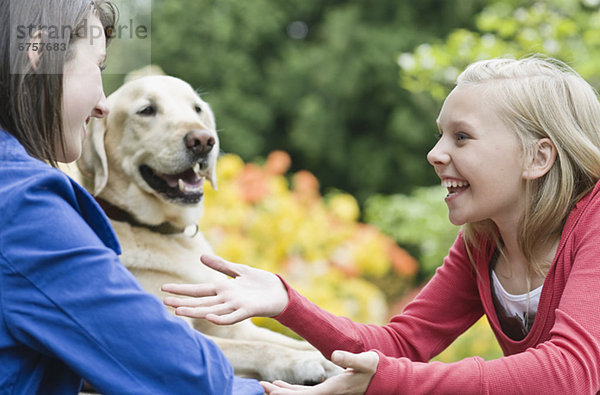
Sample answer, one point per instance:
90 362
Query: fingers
220 316
355 380
363 362
192 302
227 319
221 265
281 387
283 384
203 312
268 387
190 289
217 313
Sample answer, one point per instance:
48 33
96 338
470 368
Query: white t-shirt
517 305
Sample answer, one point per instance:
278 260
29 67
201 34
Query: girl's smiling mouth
454 186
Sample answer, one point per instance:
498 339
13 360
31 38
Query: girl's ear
542 159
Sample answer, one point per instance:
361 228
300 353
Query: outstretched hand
249 293
360 369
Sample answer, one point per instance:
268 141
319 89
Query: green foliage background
349 88
331 98
418 222
565 29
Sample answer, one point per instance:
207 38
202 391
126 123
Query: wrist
283 297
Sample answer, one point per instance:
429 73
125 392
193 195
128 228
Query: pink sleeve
400 375
446 307
567 363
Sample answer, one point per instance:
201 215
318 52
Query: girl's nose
101 110
438 155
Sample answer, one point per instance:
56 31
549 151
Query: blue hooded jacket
69 309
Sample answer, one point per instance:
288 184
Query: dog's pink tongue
172 180
188 176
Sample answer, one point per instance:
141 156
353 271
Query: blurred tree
565 29
317 78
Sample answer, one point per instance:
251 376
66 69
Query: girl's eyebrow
463 125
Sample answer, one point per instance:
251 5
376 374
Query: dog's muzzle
185 187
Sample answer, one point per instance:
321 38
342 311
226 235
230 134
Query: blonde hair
541 97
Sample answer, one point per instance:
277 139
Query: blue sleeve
66 295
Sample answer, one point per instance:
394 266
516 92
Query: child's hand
250 293
360 369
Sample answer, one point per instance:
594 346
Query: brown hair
31 97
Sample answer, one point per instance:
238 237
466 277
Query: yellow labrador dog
146 163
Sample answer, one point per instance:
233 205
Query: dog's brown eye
147 111
198 108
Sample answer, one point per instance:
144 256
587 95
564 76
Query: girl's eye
460 136
102 67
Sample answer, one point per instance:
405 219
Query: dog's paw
302 367
331 369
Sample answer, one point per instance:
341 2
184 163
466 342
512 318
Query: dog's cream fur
132 136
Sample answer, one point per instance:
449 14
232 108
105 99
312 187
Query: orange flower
278 162
305 186
252 183
402 261
349 270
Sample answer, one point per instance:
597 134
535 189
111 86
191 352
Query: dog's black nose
199 141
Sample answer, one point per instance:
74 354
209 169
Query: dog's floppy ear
93 164
212 177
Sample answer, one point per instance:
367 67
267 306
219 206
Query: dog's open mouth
185 187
